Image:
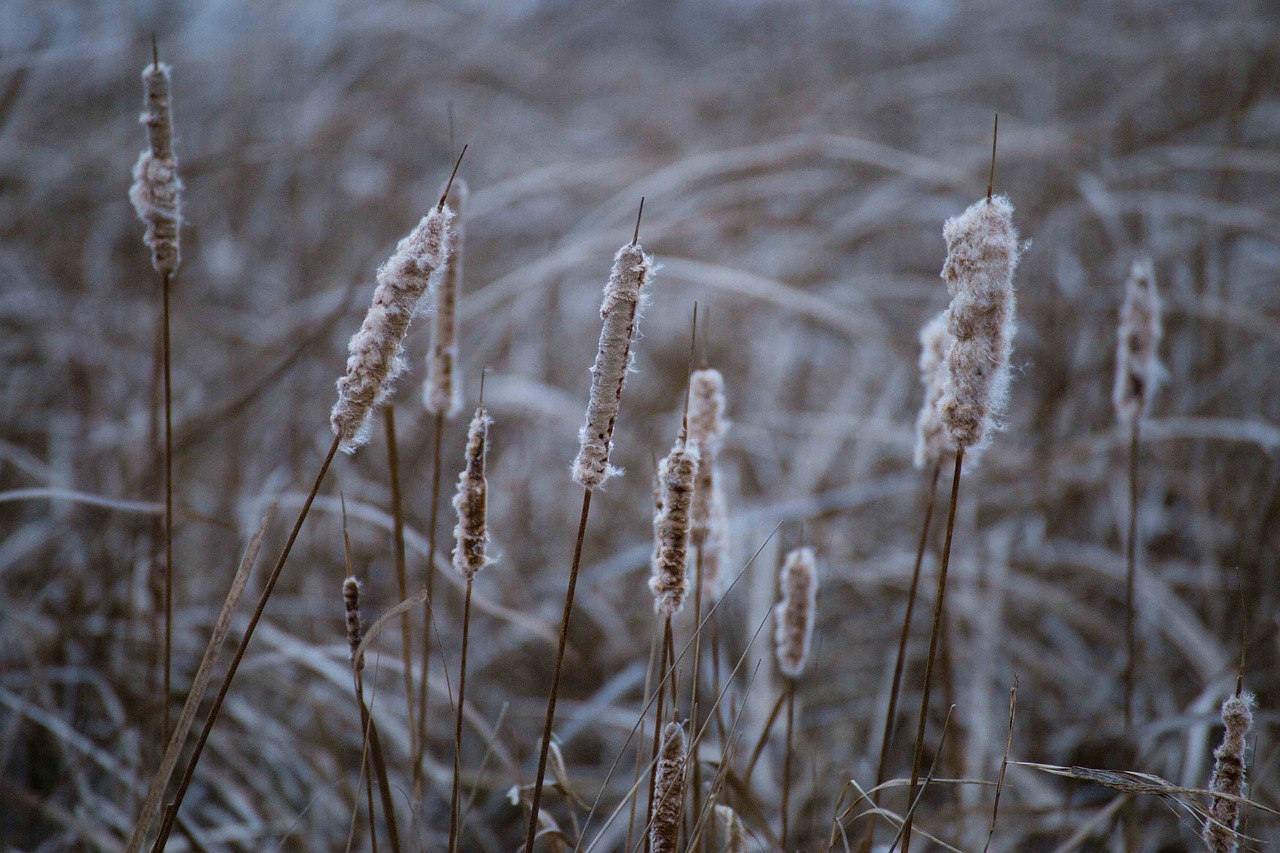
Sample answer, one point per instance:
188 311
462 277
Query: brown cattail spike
707 427
471 536
677 473
442 392
982 254
1229 774
376 350
793 616
157 191
355 628
1138 369
668 791
623 299
931 435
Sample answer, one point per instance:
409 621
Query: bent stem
455 829
434 517
938 607
555 678
190 770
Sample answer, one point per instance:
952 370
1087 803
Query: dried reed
1229 768
668 804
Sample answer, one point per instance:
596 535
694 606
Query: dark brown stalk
380 767
667 669
938 607
555 677
433 516
455 830
890 720
1004 764
397 517
786 761
168 510
366 770
190 770
1131 566
764 739
692 764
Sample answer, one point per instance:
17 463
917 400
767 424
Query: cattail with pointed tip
1138 369
668 791
793 616
982 254
471 536
624 297
669 582
931 435
732 832
707 426
157 191
376 357
1229 774
442 392
355 628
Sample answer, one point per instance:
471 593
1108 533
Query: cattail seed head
1229 774
376 357
1138 369
442 392
707 426
668 791
982 254
931 436
157 191
669 582
355 628
732 832
471 537
793 616
620 311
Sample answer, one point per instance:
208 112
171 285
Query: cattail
355 628
442 392
931 435
668 792
733 834
982 253
623 298
1229 774
670 580
1138 370
470 535
376 358
157 192
707 426
793 617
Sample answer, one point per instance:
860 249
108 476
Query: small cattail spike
794 615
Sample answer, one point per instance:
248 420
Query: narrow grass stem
366 769
166 358
384 784
535 806
1131 566
397 521
667 667
455 830
786 761
695 774
938 607
433 518
764 740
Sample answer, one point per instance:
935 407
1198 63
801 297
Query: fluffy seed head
669 582
707 426
620 311
668 791
931 435
376 357
442 392
355 628
471 537
157 191
1138 369
793 616
982 254
1229 774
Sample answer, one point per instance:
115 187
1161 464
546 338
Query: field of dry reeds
178 520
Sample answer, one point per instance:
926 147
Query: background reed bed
798 168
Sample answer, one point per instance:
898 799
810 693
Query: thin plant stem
1004 764
764 739
366 770
397 521
433 516
667 665
380 768
695 766
648 685
190 770
938 607
786 761
166 358
890 720
1131 566
555 677
455 830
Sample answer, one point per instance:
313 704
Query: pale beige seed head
794 615
1229 774
1138 368
355 628
931 436
624 297
442 392
471 535
669 581
982 254
668 791
708 426
376 357
157 191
